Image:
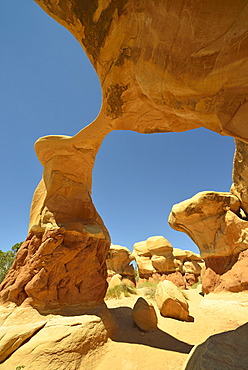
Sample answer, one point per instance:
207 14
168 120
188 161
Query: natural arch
163 68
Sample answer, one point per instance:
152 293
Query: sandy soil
169 345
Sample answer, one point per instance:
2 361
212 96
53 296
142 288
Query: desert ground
169 345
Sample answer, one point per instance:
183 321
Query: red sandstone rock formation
213 222
163 66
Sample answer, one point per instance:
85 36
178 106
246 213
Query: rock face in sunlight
171 301
240 175
163 67
31 340
226 350
118 262
144 315
214 223
62 261
157 260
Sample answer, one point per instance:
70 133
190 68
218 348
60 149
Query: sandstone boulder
153 255
141 249
178 265
158 245
210 281
51 342
210 219
118 260
176 278
171 301
190 279
226 350
180 254
236 279
145 266
163 263
144 315
115 281
192 267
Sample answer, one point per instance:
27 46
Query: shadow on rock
128 332
226 350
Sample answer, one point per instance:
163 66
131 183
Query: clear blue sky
49 87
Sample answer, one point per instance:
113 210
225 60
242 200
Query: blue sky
48 86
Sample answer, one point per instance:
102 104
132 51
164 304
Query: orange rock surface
163 67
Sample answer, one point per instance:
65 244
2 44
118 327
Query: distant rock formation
118 262
157 260
213 222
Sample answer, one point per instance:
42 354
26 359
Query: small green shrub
6 260
118 290
150 288
20 367
195 285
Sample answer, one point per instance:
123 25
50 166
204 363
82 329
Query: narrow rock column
62 261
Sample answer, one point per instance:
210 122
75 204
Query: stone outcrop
171 301
157 260
234 280
144 315
31 340
118 262
240 175
213 222
163 68
226 350
57 268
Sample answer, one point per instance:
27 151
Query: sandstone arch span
163 67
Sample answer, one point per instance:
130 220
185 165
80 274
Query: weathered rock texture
144 315
157 260
163 66
36 341
221 351
57 268
234 280
213 222
171 301
118 262
240 175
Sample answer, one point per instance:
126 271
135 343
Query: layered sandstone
34 341
226 350
157 260
171 301
163 67
240 175
118 262
213 222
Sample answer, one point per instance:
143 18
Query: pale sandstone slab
54 341
144 315
171 302
224 351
